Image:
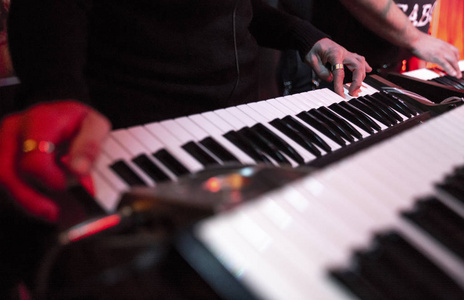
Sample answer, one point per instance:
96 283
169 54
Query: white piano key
174 146
225 115
275 253
105 194
312 99
116 152
428 74
333 236
365 89
130 142
198 132
178 131
424 74
264 262
301 103
369 89
246 264
267 110
316 243
187 131
218 121
146 138
351 200
365 193
275 247
244 118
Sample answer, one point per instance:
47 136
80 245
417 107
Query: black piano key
321 126
127 174
266 145
378 110
314 138
415 266
333 124
453 185
342 122
373 267
280 143
459 82
170 162
412 108
456 176
150 168
336 107
295 135
200 154
386 108
399 271
219 151
360 114
440 222
398 105
453 188
357 285
248 147
370 111
459 172
446 81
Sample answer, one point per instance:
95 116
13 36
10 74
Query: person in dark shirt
148 60
86 66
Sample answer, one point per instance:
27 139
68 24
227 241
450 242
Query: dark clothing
145 60
333 18
138 61
350 33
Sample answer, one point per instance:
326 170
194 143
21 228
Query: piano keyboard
297 130
385 223
438 76
431 83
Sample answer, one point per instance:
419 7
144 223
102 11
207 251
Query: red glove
46 146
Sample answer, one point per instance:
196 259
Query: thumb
86 145
320 68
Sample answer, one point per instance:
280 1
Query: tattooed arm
387 20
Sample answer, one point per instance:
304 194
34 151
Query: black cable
237 65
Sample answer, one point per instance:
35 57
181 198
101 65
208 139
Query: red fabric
448 23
